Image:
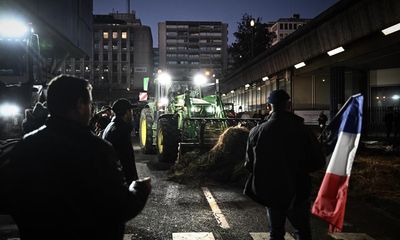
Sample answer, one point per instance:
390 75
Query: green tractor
179 119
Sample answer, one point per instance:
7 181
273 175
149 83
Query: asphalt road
176 208
210 210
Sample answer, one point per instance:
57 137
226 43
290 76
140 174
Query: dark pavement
175 208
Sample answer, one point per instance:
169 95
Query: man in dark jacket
118 133
62 182
281 153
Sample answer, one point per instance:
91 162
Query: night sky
151 12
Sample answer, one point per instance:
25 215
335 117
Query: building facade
325 62
121 58
285 26
188 47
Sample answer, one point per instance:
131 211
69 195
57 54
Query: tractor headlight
12 28
164 78
8 110
163 102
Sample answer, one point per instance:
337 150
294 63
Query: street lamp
252 25
199 80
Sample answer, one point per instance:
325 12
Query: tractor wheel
146 131
167 140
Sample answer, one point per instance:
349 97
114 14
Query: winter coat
62 182
118 133
281 152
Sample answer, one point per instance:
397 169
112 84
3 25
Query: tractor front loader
179 121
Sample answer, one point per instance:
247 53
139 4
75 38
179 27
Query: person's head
123 109
106 110
279 100
70 97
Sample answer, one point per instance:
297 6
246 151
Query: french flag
344 135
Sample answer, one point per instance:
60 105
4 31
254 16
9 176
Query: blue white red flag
345 133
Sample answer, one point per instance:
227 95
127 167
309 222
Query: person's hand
143 183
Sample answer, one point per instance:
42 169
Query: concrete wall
344 23
162 44
302 89
143 55
385 77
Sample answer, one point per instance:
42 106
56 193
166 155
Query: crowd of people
74 176
62 180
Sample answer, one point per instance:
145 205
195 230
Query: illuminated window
105 35
124 35
115 35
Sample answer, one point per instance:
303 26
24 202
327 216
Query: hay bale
223 162
229 153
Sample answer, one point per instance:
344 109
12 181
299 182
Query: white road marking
265 236
172 194
193 236
128 236
351 236
215 209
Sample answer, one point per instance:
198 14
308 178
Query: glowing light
12 28
200 79
164 78
336 51
391 29
163 102
300 65
395 97
247 85
265 78
9 110
233 91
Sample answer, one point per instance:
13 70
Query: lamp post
252 24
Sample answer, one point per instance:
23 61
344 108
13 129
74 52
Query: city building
285 26
325 62
188 47
121 58
156 59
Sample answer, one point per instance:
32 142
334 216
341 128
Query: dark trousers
298 216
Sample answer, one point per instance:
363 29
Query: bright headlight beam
391 29
200 79
12 28
164 78
9 110
163 102
336 51
300 65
